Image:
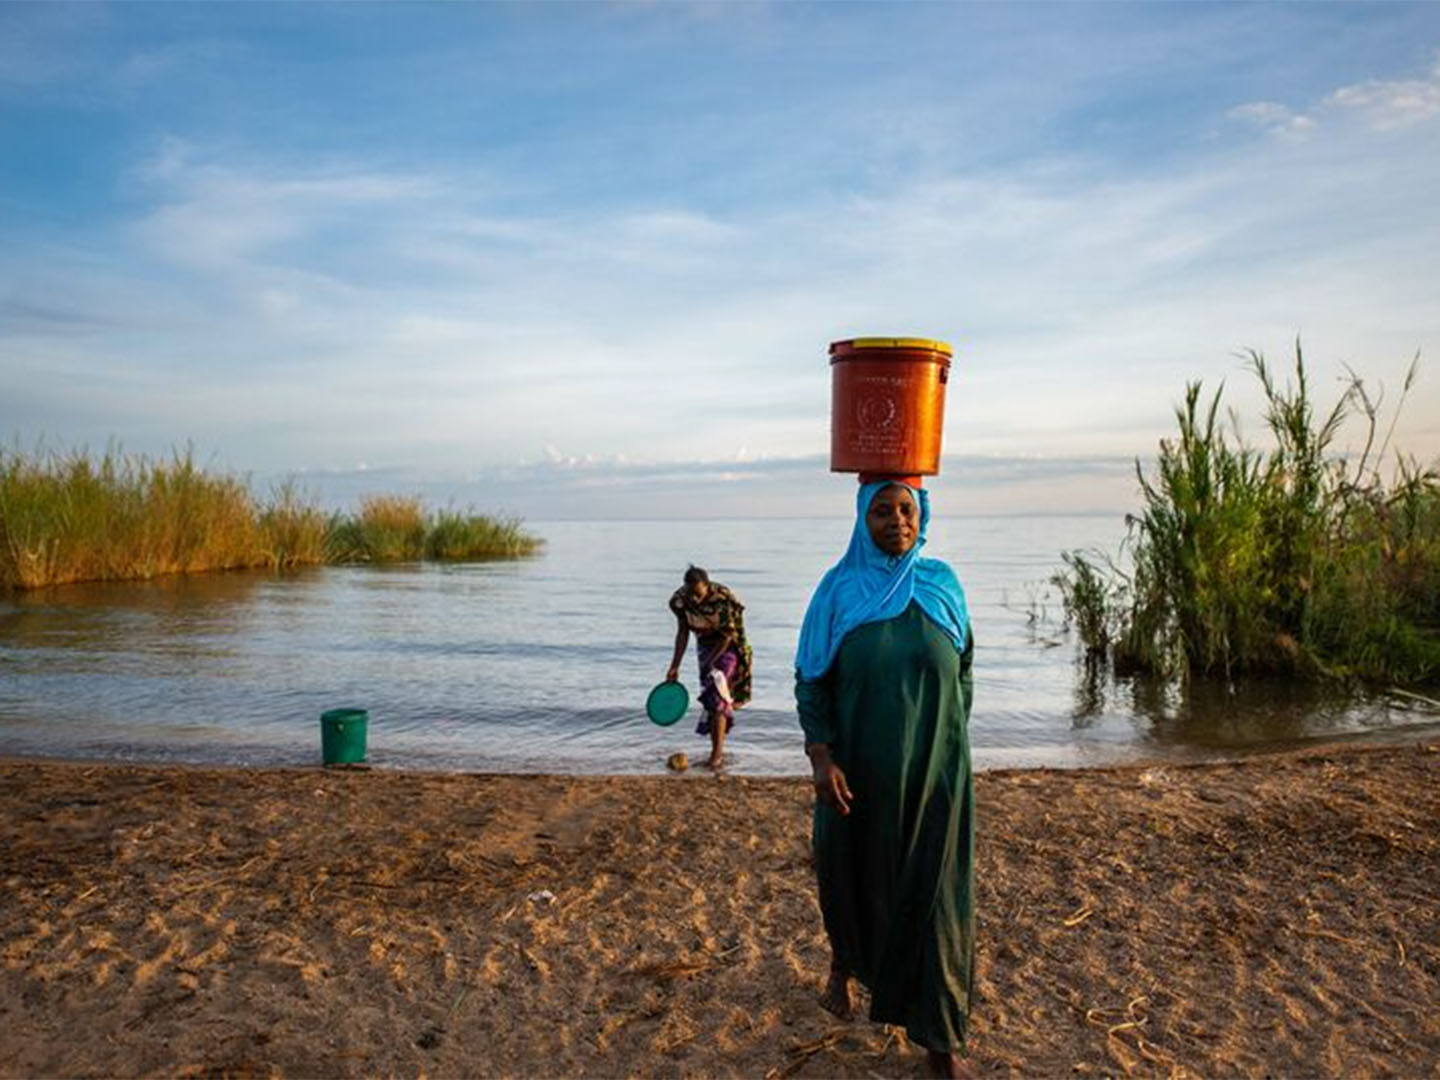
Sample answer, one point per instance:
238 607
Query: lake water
544 664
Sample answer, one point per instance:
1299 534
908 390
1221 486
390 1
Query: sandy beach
1271 917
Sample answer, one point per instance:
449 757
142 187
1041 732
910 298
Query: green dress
897 875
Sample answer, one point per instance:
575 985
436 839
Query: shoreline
985 760
1273 914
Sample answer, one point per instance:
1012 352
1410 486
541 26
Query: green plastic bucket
342 735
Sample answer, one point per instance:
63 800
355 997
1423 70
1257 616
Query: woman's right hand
831 787
673 673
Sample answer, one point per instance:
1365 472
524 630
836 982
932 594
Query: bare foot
835 999
950 1066
714 761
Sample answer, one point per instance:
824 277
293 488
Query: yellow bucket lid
929 344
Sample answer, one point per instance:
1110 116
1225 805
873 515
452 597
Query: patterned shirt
721 613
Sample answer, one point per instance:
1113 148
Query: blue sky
585 259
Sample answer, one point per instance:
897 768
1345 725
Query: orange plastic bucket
887 405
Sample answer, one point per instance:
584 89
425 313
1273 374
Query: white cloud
1387 105
593 485
213 215
1383 105
1274 118
325 313
43 45
147 67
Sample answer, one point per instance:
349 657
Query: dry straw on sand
1271 917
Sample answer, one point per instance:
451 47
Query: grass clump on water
454 536
398 528
294 531
74 516
1291 560
389 528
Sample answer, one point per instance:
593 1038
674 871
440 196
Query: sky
585 259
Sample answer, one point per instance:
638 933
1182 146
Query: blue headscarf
867 585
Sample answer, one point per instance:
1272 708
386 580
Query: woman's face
893 520
697 590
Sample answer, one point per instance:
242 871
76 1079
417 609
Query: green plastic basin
667 703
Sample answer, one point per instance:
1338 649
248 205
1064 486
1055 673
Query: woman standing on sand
717 618
883 688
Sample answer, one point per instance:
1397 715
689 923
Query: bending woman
883 688
717 618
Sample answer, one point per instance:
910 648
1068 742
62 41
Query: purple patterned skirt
715 678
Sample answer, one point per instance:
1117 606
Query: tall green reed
453 535
76 516
73 517
294 530
1285 560
389 528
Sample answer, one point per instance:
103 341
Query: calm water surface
543 665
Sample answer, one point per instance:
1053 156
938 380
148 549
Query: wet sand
1274 917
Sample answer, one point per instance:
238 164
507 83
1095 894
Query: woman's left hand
831 787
